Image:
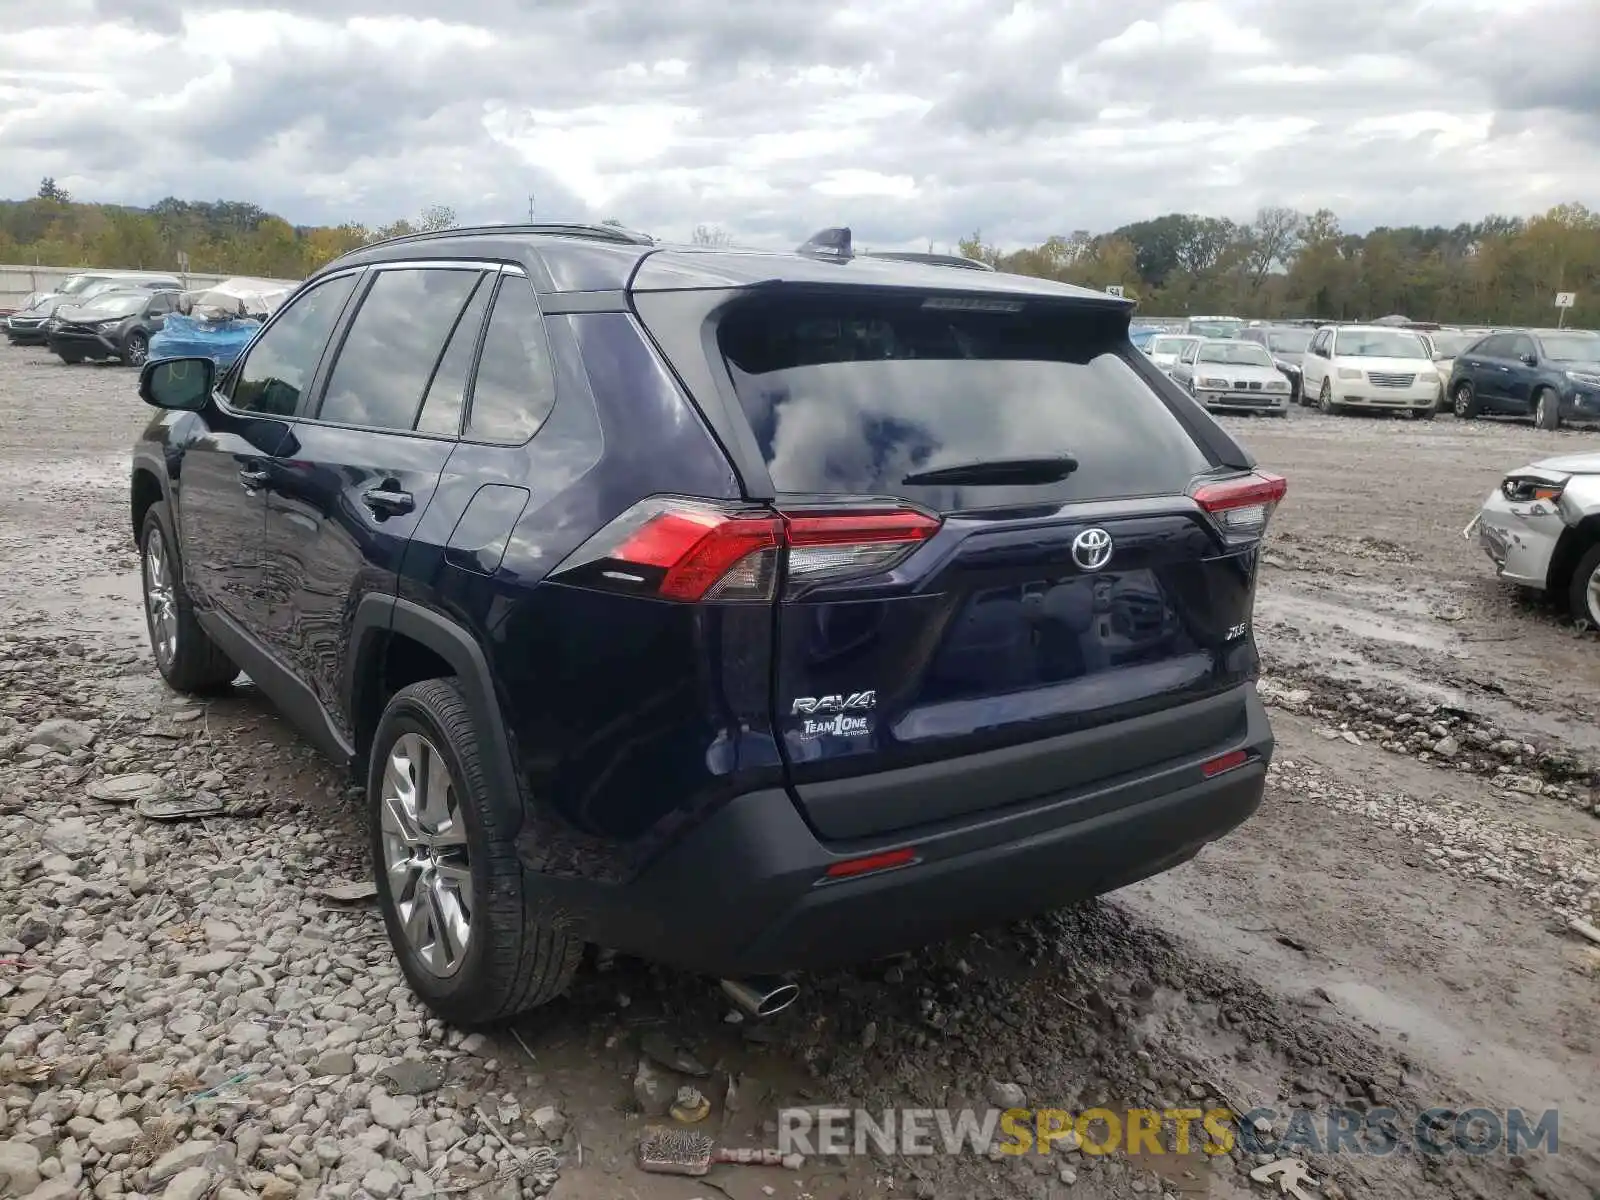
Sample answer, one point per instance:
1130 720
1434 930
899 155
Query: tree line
1284 263
225 237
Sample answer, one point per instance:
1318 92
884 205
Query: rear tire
1464 401
1325 400
460 917
185 655
1583 593
1547 409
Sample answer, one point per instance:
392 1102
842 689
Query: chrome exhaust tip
761 996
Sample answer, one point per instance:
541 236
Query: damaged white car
1541 527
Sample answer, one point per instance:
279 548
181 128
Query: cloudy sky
911 120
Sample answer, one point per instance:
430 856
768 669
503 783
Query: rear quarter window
849 396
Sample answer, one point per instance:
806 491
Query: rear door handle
387 503
252 478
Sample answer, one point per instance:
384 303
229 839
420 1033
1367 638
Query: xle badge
841 715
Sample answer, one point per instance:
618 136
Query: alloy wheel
1463 399
160 601
1591 596
138 350
425 854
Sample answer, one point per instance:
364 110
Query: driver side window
278 368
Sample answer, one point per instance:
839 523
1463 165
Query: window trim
311 409
222 391
489 280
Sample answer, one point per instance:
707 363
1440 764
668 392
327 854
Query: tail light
1242 506
692 550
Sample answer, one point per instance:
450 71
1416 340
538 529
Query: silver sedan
1539 529
1228 374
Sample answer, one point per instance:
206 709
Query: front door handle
252 478
385 502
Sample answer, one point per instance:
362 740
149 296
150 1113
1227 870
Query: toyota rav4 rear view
748 612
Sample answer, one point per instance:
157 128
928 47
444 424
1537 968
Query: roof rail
932 259
599 233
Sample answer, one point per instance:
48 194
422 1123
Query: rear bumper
746 892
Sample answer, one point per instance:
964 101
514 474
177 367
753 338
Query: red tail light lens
689 550
1242 506
835 545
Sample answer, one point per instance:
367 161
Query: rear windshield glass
847 395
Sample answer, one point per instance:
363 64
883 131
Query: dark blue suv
750 612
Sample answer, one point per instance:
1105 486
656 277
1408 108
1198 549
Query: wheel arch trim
379 616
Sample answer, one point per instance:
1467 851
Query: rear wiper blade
1037 468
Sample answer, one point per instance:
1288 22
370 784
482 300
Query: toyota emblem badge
1091 549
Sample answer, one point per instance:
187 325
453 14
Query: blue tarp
220 341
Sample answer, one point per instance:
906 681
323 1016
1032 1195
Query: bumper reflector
888 860
1228 762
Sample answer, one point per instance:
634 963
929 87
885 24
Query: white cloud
911 122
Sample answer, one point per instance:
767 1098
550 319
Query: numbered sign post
1564 301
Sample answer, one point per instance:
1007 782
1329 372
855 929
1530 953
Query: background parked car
116 324
25 327
1214 327
1551 374
89 283
1370 366
1287 345
1225 373
1165 349
1539 528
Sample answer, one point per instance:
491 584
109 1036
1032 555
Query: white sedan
1228 374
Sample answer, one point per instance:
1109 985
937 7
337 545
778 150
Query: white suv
1369 366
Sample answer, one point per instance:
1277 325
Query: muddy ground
1390 930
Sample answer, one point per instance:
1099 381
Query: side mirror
1531 359
178 383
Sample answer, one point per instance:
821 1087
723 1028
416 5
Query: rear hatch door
1054 608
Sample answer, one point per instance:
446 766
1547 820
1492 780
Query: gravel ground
205 1008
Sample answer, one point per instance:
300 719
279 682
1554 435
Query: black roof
591 258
